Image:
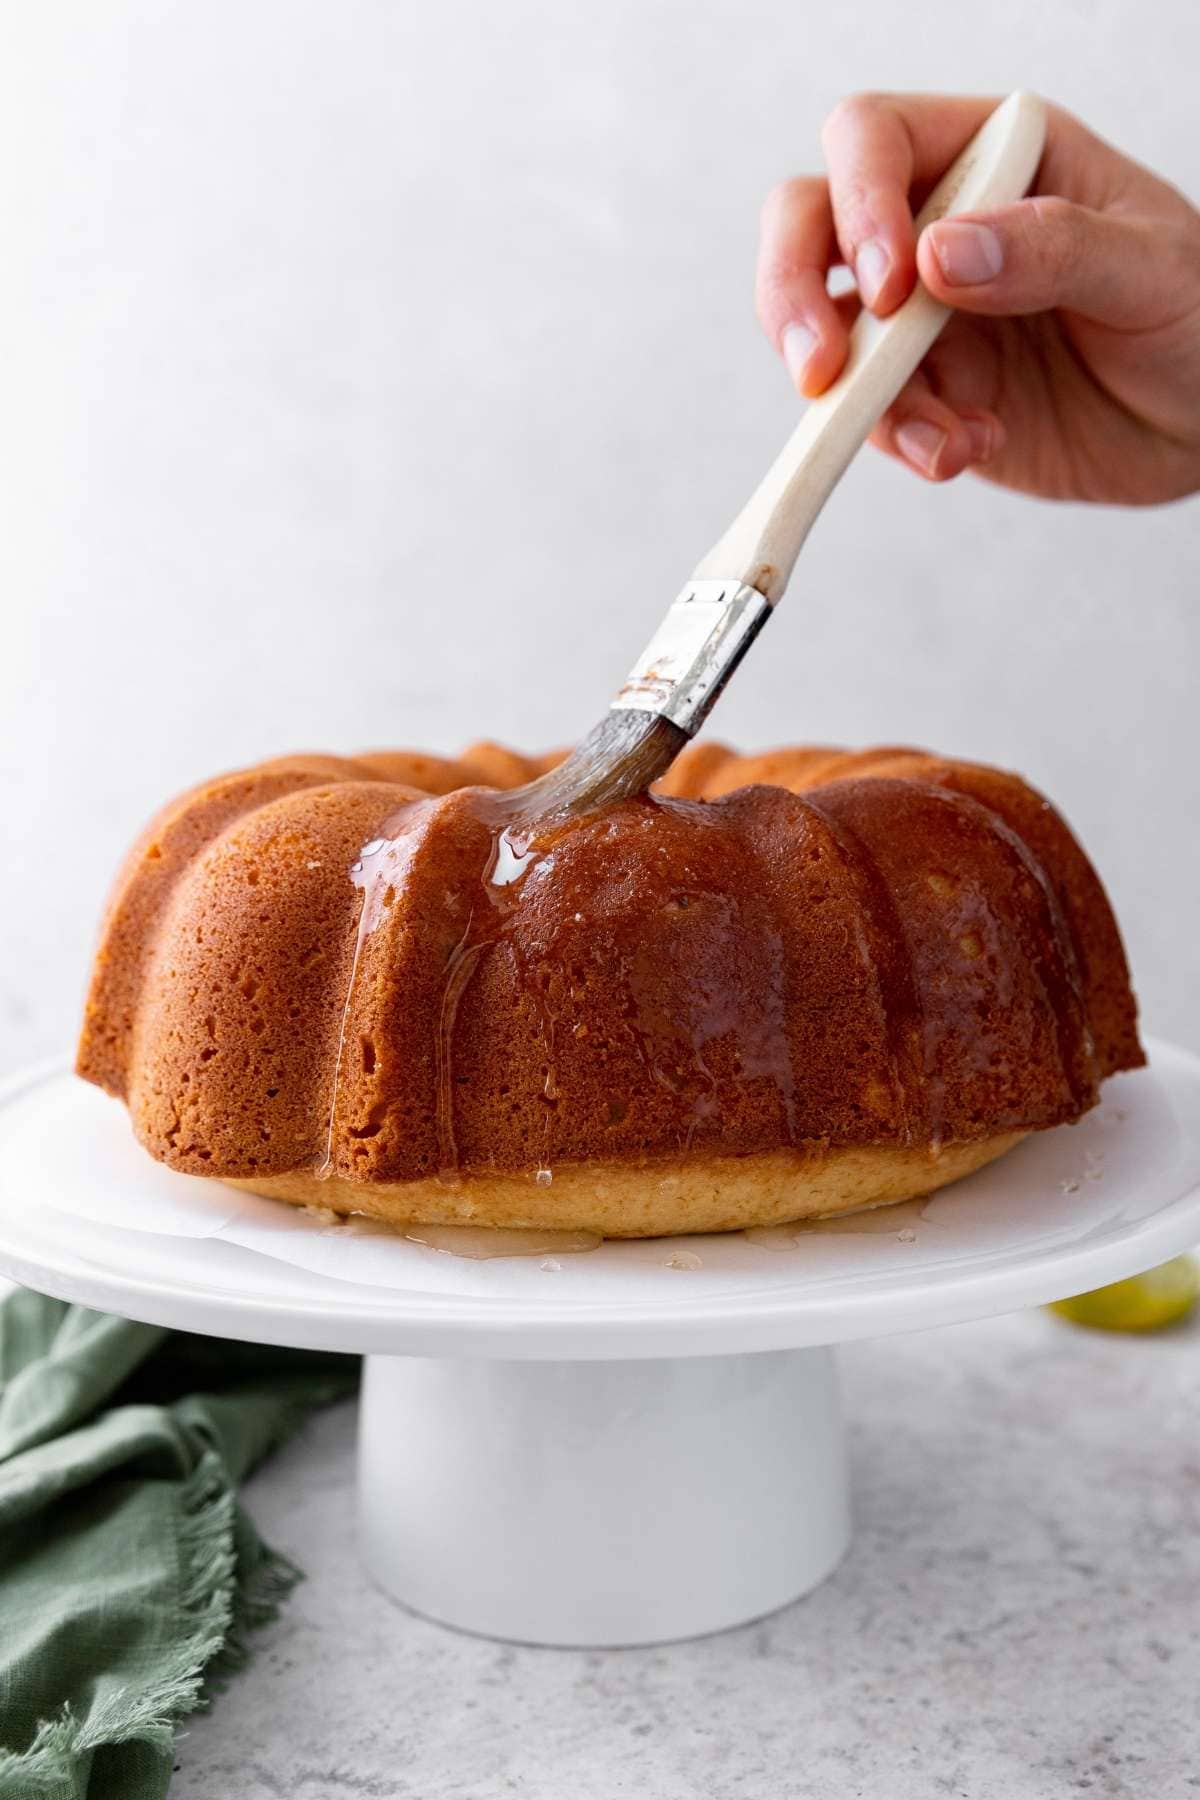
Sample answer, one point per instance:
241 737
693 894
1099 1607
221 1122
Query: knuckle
853 107
1061 237
774 300
775 202
1185 253
1054 212
768 288
789 195
850 112
855 216
780 289
854 198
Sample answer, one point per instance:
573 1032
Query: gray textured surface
1018 1619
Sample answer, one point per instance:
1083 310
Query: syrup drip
898 1221
1060 977
763 1053
514 857
379 872
458 975
899 997
479 1243
768 1053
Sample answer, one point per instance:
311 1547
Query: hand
1071 367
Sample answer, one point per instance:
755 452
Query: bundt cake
782 985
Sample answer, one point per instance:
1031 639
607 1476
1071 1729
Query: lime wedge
1146 1302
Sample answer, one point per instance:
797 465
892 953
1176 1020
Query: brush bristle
620 757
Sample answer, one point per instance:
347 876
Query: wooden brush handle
761 546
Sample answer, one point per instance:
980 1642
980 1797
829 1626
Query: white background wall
374 373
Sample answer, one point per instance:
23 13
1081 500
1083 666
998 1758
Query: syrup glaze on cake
784 985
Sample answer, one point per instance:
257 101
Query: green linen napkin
129 1574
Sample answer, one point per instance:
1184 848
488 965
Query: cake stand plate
631 1445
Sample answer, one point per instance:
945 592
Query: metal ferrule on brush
695 650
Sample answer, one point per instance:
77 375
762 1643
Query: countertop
1018 1618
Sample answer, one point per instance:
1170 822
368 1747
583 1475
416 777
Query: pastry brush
708 629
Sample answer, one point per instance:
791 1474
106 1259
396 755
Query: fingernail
871 267
799 342
921 443
968 255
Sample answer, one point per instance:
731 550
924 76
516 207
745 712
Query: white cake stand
632 1445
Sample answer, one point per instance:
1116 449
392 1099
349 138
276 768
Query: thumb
1041 254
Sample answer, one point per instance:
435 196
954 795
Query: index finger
877 148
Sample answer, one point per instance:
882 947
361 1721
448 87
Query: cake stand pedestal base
602 1503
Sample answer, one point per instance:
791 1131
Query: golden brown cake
784 985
